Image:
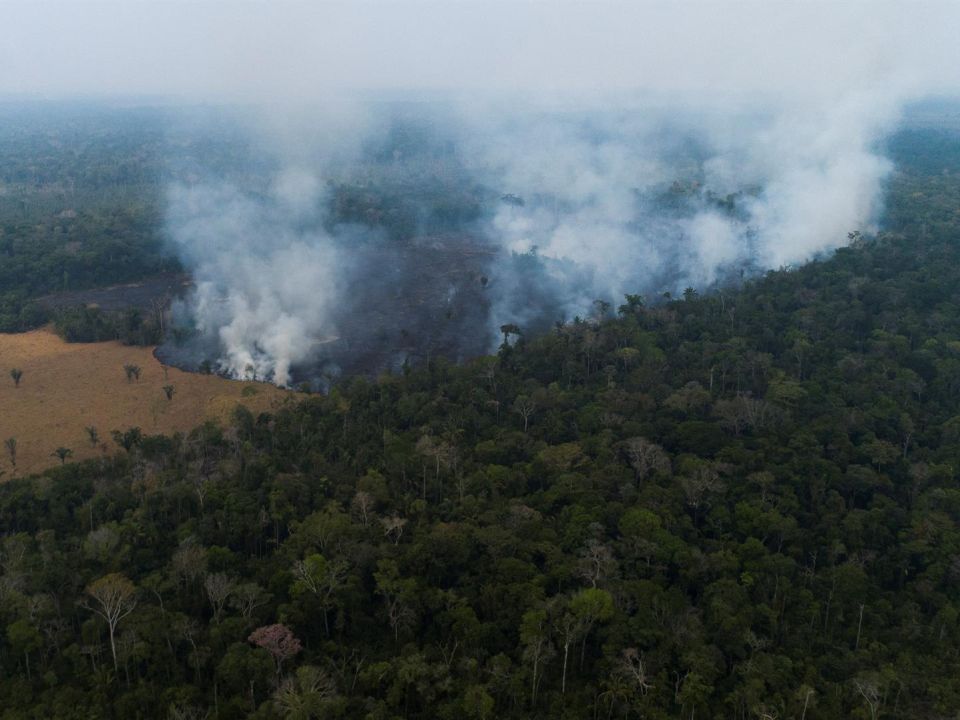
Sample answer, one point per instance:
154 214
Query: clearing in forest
68 387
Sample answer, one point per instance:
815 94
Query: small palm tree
93 435
63 453
169 390
132 371
129 439
16 374
11 445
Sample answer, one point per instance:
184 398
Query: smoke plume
659 197
440 221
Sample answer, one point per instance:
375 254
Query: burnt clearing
150 294
417 300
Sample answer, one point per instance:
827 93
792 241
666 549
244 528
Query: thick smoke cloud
569 202
264 289
666 195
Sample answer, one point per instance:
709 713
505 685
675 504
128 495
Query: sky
253 50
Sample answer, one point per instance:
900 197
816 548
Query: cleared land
68 387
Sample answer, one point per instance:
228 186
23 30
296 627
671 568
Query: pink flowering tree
278 640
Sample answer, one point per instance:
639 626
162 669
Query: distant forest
737 504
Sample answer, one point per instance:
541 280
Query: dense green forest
79 202
740 504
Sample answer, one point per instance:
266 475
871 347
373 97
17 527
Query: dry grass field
68 387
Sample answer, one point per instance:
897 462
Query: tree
882 453
441 451
248 597
129 439
508 330
189 562
185 711
304 696
169 390
806 692
322 579
600 309
132 372
279 641
93 435
590 606
525 407
16 374
869 689
570 627
393 527
693 691
628 356
62 453
477 702
398 594
633 668
698 484
363 504
645 457
596 562
219 587
24 639
537 648
112 597
11 445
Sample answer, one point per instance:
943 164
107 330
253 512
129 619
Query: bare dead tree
393 527
633 668
112 597
219 588
596 562
645 457
525 408
870 692
362 504
248 597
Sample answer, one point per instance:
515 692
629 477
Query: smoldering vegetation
372 234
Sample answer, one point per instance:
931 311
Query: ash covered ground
419 299
146 295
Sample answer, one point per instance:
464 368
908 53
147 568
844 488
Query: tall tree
112 597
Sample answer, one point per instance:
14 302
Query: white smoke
628 196
800 176
264 287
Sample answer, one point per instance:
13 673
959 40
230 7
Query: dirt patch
67 387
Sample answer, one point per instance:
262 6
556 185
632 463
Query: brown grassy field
67 387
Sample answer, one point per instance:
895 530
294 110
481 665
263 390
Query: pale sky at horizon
257 50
